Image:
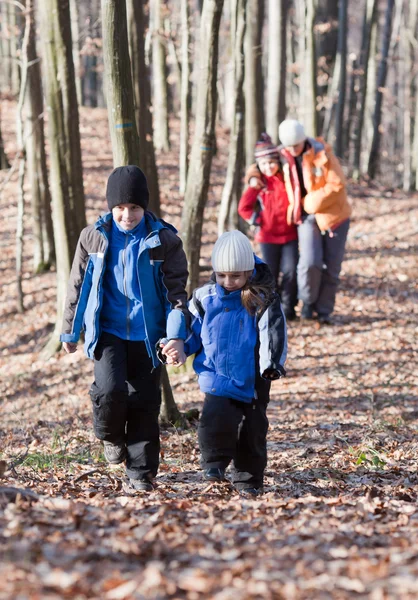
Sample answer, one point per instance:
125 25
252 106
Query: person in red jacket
266 204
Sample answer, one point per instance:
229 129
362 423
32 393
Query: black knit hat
127 185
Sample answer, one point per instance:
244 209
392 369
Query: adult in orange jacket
316 188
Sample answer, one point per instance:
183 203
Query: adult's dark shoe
142 485
114 453
325 319
214 474
290 314
307 312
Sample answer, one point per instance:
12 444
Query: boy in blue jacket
239 337
127 290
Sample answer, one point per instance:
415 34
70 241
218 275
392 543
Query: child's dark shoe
114 453
325 319
250 491
214 474
142 485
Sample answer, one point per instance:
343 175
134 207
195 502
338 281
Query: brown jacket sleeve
75 285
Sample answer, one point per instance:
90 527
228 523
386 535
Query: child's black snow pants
126 402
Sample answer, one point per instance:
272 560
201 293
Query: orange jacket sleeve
322 199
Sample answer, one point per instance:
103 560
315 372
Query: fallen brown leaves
339 518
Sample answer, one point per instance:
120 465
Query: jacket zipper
125 287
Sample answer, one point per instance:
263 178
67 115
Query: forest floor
339 517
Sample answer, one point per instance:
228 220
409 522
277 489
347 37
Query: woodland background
339 516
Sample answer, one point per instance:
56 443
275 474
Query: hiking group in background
297 191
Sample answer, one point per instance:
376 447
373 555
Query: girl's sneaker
214 474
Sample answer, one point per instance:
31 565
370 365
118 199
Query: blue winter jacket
162 274
232 346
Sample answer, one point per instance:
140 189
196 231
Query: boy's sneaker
114 453
307 312
142 485
214 474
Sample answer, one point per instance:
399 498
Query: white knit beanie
232 253
291 132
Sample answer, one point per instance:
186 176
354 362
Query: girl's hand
255 182
69 347
174 351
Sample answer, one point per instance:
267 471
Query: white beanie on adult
291 132
232 253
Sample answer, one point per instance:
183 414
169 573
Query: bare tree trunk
142 94
20 127
414 159
204 138
352 99
410 51
160 108
185 95
277 67
43 233
342 51
4 163
308 107
75 35
68 210
326 45
368 22
13 43
253 83
232 189
381 81
119 93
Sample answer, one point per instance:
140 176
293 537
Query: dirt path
340 516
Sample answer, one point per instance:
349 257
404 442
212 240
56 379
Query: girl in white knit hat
239 338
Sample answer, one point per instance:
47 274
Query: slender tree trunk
142 94
414 93
75 34
13 44
232 189
204 138
43 234
352 99
64 140
369 20
342 51
326 45
20 128
4 163
253 83
119 93
160 105
277 66
381 81
308 108
185 95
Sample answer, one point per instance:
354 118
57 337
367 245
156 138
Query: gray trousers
319 266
